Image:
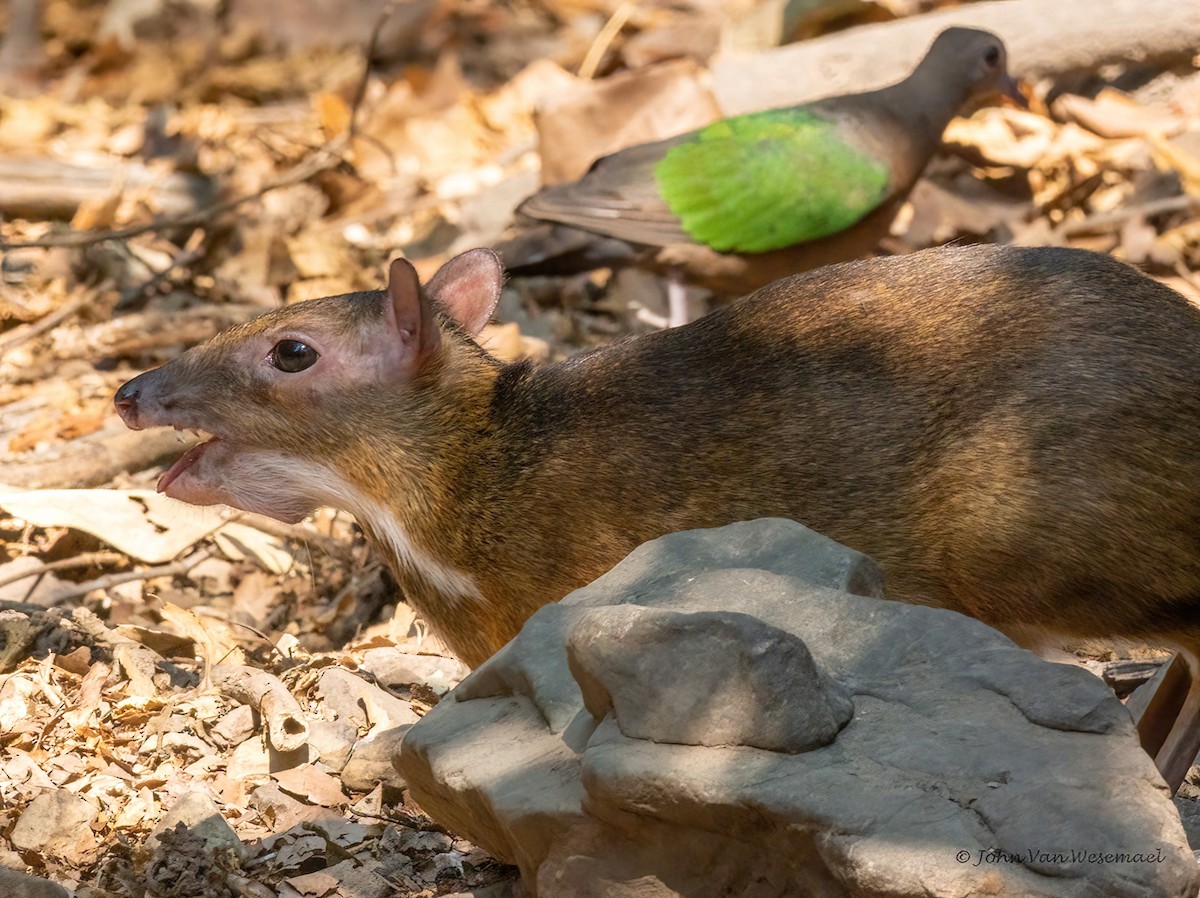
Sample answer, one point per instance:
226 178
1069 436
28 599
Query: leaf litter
198 702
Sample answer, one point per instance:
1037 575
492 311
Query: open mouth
187 460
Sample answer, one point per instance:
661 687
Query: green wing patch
767 180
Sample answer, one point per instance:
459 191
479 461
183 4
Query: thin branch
27 332
306 169
300 173
133 294
360 92
173 569
1106 221
595 54
304 533
224 618
1186 276
87 559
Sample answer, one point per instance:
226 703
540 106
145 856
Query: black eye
292 356
992 57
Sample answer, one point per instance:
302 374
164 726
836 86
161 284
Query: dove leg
677 305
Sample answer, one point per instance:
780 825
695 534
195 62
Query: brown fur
1010 432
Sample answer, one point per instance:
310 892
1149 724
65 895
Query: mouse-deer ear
468 288
411 314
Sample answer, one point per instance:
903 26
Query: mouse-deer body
1011 433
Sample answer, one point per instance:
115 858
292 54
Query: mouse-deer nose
126 402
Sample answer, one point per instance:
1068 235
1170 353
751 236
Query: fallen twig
187 257
303 533
360 90
172 569
286 727
1107 221
27 332
595 53
87 559
1044 40
308 168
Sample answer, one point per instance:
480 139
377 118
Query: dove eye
992 57
292 356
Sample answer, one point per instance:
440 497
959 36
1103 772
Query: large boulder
735 712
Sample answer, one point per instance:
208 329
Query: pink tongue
189 458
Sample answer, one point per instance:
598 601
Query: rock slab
734 712
684 678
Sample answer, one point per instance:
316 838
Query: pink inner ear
410 315
468 288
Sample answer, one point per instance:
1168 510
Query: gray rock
968 766
332 741
249 760
712 678
372 761
393 667
235 727
1187 802
447 866
15 884
56 823
286 812
203 819
360 702
349 877
424 840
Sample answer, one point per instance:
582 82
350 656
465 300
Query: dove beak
1010 89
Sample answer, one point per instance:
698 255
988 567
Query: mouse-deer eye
992 56
292 356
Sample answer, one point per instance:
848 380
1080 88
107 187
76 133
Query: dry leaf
213 639
312 785
142 524
97 214
594 118
1182 161
238 542
1114 114
333 113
